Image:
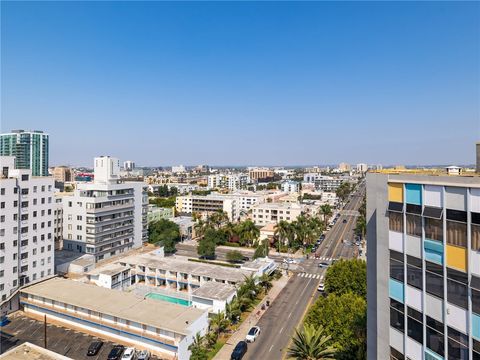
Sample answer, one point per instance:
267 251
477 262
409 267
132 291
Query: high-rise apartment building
107 216
128 165
423 266
26 227
231 182
30 149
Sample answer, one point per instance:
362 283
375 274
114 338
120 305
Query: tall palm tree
282 230
218 218
265 282
311 344
326 211
231 230
249 232
200 227
219 323
361 226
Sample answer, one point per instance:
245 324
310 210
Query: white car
252 334
289 261
321 287
128 354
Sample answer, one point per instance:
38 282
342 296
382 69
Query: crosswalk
310 276
325 258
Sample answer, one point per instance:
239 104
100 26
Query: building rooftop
187 267
215 291
431 178
109 269
32 352
124 305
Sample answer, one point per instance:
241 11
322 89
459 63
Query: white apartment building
325 183
362 168
234 205
268 213
58 222
128 165
107 216
290 186
231 182
178 169
26 231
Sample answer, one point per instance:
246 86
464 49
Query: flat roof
33 352
162 315
215 291
426 178
188 267
109 269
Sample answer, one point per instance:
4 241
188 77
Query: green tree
361 226
248 232
234 256
344 319
218 237
217 219
206 248
164 233
347 276
163 202
219 322
344 190
197 348
326 211
282 231
311 343
265 281
261 250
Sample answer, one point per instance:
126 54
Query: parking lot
63 341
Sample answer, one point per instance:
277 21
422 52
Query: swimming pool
169 299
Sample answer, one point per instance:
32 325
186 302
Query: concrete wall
378 314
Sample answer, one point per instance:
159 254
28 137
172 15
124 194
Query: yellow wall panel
395 192
457 257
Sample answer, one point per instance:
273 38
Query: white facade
128 165
266 213
178 169
105 217
234 205
26 231
362 168
325 183
290 186
231 182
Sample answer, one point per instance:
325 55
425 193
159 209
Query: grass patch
216 348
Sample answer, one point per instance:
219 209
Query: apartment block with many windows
423 239
26 227
105 217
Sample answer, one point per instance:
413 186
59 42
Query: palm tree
311 344
232 310
326 211
230 229
200 227
219 323
361 227
197 348
282 230
265 282
217 219
249 233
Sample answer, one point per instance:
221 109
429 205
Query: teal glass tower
30 149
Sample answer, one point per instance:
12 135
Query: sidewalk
251 320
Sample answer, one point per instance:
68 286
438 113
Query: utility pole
45 331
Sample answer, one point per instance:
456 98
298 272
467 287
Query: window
433 229
414 225
395 206
457 293
475 237
414 209
79 217
414 325
34 189
395 221
432 212
435 337
2 191
396 266
434 279
457 345
2 205
34 201
457 233
414 272
397 318
24 177
457 215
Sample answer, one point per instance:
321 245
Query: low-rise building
166 330
264 174
213 297
231 182
291 186
156 213
32 352
266 213
62 174
185 225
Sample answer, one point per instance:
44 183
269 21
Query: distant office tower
344 167
178 169
107 216
62 174
128 165
261 174
362 168
30 149
423 268
26 227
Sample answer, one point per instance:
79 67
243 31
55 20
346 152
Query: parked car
288 261
323 265
116 352
94 348
321 287
143 355
128 354
252 334
239 351
344 221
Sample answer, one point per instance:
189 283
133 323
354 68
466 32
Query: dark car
116 352
344 221
239 351
94 348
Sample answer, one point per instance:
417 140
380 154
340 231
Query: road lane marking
289 315
270 348
281 329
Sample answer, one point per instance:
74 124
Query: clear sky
245 83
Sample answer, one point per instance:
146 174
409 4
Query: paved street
287 311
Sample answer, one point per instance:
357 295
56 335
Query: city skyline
299 83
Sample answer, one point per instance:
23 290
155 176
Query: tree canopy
347 276
344 319
234 256
163 202
164 233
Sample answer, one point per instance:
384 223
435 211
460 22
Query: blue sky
245 83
